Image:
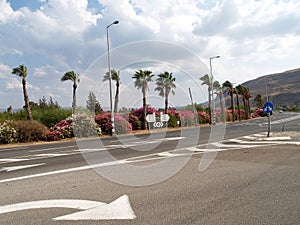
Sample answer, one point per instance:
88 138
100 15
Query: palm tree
21 71
116 77
247 97
219 91
239 90
142 77
74 77
165 85
229 86
259 101
206 81
244 91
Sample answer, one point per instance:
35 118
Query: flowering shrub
135 122
61 130
187 118
81 125
28 131
104 121
7 132
84 125
203 117
174 118
121 125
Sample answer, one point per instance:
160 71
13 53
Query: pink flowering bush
121 124
136 117
174 120
203 117
187 118
61 130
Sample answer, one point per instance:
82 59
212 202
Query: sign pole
269 125
268 108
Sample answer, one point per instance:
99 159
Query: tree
74 77
165 85
21 71
219 91
239 91
230 90
247 96
244 91
43 103
116 77
206 81
142 77
259 101
92 103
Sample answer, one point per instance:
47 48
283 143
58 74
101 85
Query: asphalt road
249 179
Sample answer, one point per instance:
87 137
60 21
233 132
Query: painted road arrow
119 209
14 168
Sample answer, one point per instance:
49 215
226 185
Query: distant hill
283 88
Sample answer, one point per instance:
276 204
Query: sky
51 37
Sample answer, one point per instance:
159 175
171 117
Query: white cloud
253 37
7 13
14 84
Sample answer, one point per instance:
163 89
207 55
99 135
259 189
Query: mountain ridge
283 89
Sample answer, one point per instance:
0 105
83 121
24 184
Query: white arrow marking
14 168
118 209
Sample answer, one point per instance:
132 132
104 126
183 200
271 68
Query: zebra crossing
244 142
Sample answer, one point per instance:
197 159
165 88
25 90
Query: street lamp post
212 106
110 80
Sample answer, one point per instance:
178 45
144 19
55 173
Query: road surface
251 179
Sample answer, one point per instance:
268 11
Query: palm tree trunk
166 99
144 109
238 106
249 109
245 107
232 106
222 107
209 105
117 97
74 98
26 100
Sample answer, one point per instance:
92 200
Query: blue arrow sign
268 107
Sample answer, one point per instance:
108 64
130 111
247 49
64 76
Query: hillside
283 88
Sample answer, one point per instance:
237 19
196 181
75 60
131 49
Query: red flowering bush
61 130
104 121
203 117
136 117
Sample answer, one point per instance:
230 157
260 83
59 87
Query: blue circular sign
268 107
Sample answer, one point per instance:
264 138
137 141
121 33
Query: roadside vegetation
47 121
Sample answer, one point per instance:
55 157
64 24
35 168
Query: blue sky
52 37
